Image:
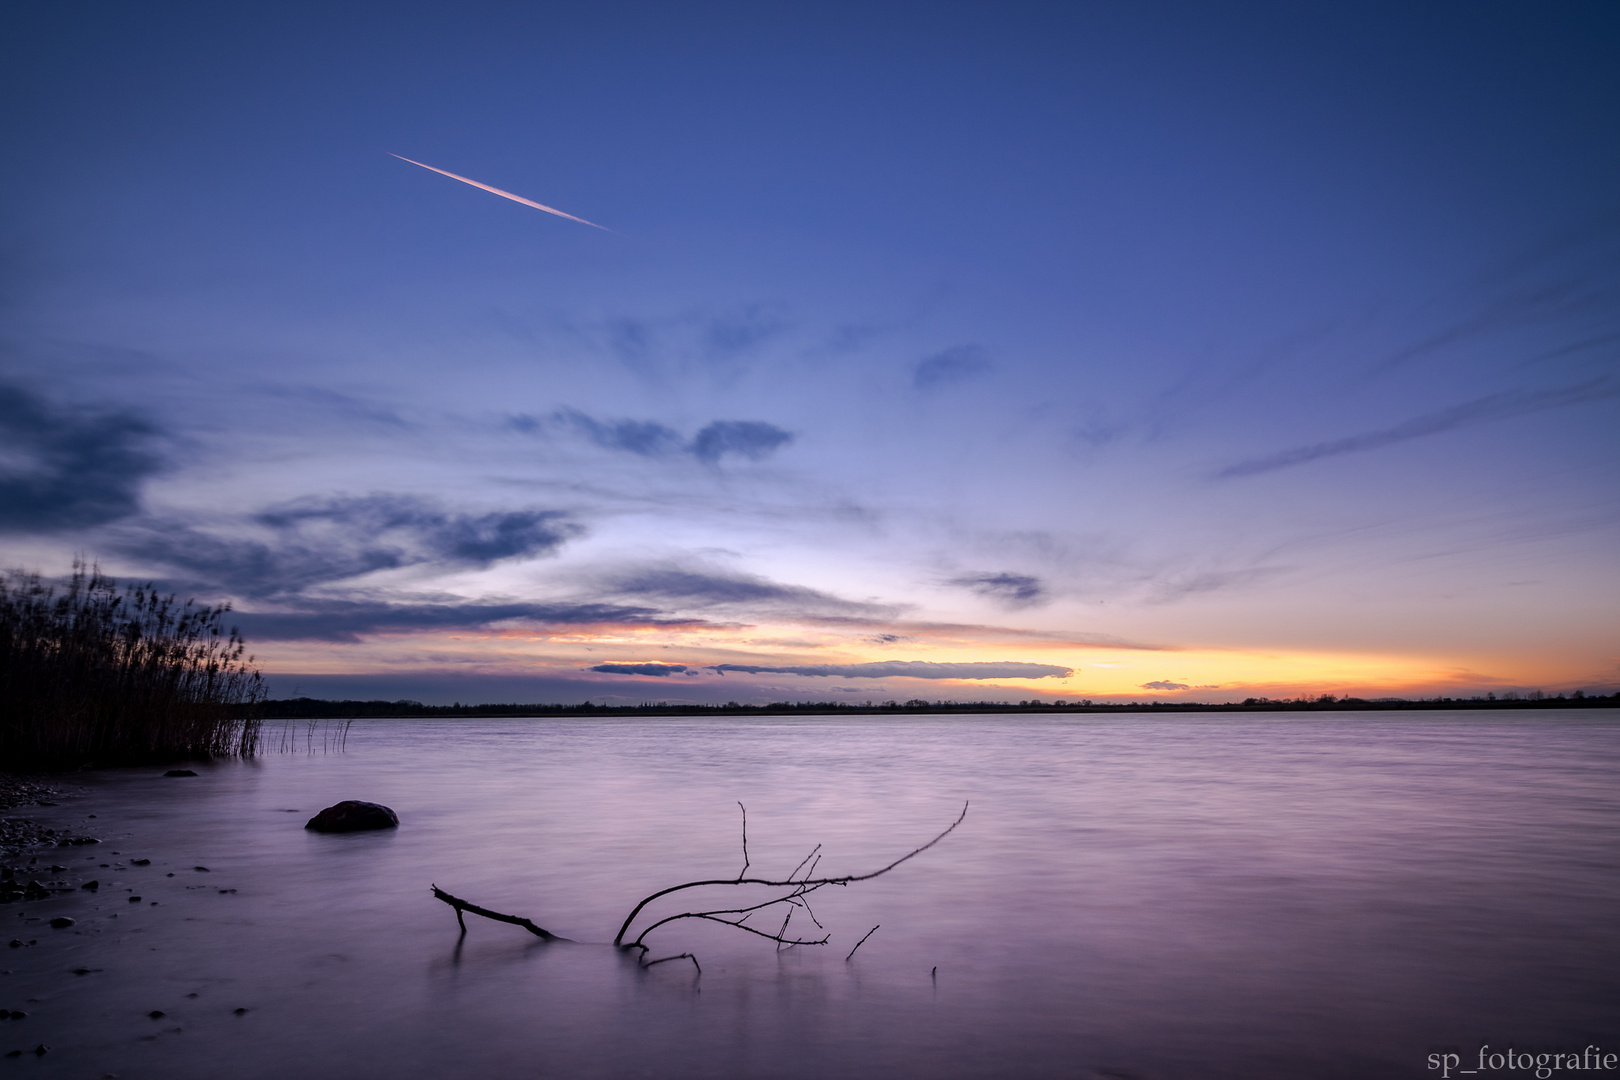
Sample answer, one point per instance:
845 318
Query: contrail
507 195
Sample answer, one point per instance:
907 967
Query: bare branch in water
794 899
845 879
516 920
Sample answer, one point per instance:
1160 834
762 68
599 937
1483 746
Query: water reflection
1321 895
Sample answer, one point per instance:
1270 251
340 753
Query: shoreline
286 709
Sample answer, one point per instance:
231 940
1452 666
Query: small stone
202 869
61 922
179 772
81 971
157 1014
92 885
140 862
352 815
239 1012
41 1050
15 1053
134 899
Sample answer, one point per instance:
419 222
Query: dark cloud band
911 669
66 469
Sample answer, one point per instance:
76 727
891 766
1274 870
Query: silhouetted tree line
306 708
91 673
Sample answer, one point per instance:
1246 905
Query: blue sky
1175 350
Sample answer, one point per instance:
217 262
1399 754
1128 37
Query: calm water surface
1212 896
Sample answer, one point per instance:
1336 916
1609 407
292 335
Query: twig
861 942
461 905
807 858
667 959
711 916
782 933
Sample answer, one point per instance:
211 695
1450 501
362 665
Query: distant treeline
91 673
306 708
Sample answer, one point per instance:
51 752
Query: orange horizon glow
1097 671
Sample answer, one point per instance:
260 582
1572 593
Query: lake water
1328 895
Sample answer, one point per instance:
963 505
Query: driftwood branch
796 898
516 920
846 879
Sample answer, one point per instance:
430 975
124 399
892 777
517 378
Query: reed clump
91 673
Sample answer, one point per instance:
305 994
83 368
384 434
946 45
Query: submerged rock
351 815
179 772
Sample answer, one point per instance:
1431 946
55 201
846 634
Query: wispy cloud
350 621
506 194
1482 410
685 588
910 669
950 366
315 542
753 440
645 438
1165 684
1013 590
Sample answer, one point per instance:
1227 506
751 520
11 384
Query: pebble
61 922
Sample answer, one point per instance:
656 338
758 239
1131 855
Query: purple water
1328 895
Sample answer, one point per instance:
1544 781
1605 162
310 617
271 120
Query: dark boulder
351 815
180 772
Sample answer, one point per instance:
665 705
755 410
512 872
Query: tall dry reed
94 674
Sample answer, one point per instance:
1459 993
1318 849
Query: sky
887 351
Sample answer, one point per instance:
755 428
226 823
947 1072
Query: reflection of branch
461 905
744 870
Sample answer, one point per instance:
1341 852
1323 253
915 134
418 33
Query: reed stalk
95 674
